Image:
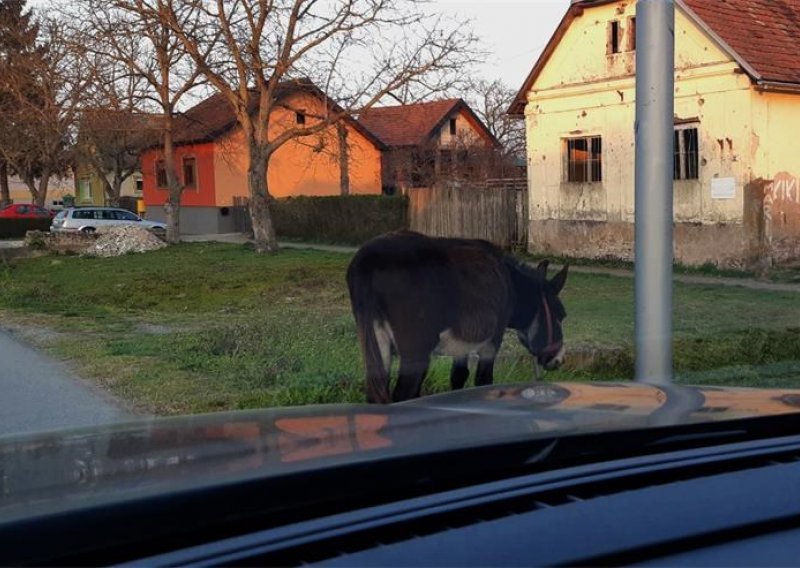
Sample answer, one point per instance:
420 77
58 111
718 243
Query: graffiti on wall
782 209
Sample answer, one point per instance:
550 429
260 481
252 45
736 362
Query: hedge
350 219
16 228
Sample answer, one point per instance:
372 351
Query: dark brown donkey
411 294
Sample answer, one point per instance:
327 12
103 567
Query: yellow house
89 187
57 188
737 108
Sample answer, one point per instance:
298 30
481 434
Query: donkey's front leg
485 373
459 373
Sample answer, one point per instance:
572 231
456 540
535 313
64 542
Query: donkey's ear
560 279
543 266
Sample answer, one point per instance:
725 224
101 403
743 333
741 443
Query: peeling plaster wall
584 91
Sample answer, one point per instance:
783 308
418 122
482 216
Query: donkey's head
542 335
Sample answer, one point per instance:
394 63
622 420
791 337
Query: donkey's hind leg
459 373
412 374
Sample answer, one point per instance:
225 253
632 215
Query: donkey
412 294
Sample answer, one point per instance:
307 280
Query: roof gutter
777 87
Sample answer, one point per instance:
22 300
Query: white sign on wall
723 188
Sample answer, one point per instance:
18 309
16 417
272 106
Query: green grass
203 327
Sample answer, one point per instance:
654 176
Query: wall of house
776 176
97 196
203 195
584 91
57 188
303 166
467 132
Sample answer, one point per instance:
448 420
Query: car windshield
318 233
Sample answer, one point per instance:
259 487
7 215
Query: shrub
341 219
16 228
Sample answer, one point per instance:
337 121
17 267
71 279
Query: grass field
203 327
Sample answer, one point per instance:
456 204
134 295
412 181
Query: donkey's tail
367 311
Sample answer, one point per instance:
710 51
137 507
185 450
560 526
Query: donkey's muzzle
553 356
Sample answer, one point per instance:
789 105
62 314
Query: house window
300 117
139 186
632 34
85 190
189 173
584 159
161 175
613 37
453 127
687 153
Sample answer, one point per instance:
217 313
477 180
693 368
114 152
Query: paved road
37 393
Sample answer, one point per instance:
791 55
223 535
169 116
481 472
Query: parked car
89 219
25 211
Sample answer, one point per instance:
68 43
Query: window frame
161 175
592 166
84 189
681 156
614 45
194 186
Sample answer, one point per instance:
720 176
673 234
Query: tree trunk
263 229
44 181
173 206
5 193
344 159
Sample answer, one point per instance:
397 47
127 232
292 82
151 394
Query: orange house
212 157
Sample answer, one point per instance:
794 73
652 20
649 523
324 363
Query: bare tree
46 95
132 36
490 100
358 51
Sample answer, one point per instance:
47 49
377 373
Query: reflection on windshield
250 206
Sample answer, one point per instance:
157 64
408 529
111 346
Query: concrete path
37 393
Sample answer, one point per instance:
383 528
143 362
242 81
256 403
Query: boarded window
686 147
613 37
584 159
190 173
161 175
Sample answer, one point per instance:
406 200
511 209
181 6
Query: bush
347 220
16 228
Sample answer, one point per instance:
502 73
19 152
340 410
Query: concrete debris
126 239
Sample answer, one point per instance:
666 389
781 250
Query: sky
514 32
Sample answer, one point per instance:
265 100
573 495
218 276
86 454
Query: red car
25 211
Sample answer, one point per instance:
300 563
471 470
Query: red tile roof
407 125
415 124
764 33
761 35
213 117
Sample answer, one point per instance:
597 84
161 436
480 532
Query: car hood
46 472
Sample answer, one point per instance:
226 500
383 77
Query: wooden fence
496 210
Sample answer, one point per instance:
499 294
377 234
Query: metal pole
655 105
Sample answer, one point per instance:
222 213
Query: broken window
686 147
584 159
613 37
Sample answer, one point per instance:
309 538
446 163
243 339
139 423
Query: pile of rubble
116 241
